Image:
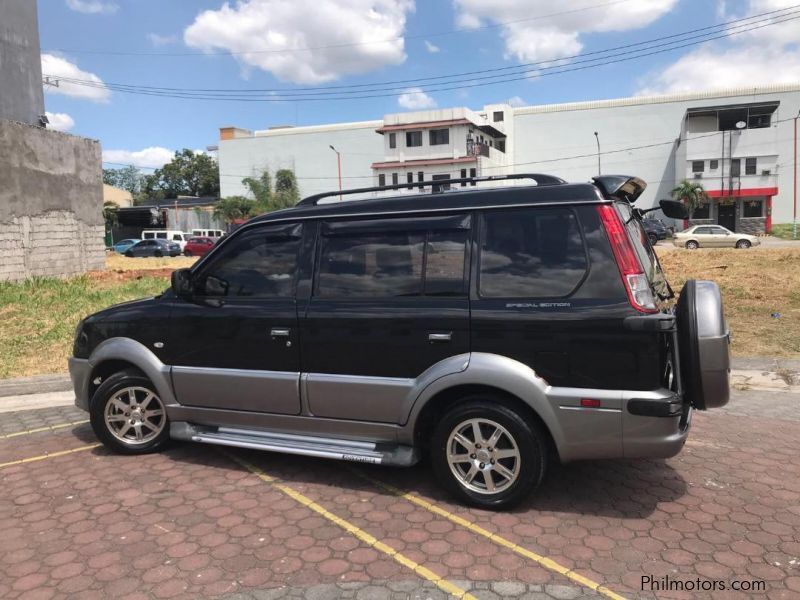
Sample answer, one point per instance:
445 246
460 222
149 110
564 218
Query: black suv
491 328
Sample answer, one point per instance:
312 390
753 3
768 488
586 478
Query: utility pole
794 216
597 139
339 166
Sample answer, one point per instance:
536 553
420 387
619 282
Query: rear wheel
692 245
128 416
487 454
158 253
187 253
743 244
129 254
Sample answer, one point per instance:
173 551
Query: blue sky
178 45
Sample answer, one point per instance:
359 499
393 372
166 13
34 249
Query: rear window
531 253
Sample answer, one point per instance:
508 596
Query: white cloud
516 101
154 156
335 38
415 99
162 40
432 48
92 7
60 121
57 67
530 39
759 57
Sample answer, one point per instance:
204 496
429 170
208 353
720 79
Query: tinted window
752 208
702 230
413 138
531 253
750 166
259 264
698 166
438 137
392 140
701 211
390 264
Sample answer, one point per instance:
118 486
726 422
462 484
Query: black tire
187 253
743 244
158 254
106 394
653 238
692 245
129 254
529 439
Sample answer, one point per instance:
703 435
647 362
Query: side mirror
182 284
674 209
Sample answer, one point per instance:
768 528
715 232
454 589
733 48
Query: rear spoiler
621 187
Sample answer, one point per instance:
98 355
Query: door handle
279 332
440 337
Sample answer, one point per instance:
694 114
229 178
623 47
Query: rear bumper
79 371
654 425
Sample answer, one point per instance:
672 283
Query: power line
654 43
476 82
347 45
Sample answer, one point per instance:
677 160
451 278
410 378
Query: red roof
426 161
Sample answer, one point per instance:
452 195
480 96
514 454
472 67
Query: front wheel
743 244
128 416
487 454
692 245
653 239
129 254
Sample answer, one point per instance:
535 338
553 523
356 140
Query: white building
739 143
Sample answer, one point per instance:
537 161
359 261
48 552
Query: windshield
645 252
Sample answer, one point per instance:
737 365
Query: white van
210 233
173 235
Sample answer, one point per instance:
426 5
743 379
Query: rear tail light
634 278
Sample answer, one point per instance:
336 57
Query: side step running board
303 445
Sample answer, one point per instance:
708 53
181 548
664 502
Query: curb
38 384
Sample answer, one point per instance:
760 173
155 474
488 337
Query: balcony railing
477 149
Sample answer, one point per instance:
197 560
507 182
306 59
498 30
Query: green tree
691 193
149 191
286 192
233 208
128 178
261 189
189 173
110 215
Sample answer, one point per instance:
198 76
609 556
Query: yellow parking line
40 429
356 531
545 562
46 456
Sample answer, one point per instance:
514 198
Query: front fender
129 350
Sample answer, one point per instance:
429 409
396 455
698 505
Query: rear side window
259 264
531 253
392 264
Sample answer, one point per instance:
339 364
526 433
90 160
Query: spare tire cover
703 345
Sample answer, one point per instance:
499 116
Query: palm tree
691 193
110 215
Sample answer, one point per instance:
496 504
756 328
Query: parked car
713 236
471 326
198 246
122 245
655 230
173 235
154 248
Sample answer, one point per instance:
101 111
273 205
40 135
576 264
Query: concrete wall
21 95
51 199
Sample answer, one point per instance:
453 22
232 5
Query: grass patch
755 285
785 231
38 317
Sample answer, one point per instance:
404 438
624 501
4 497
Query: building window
413 139
753 208
497 116
702 211
410 179
392 140
438 137
381 180
472 173
698 166
444 186
394 179
463 176
500 145
736 167
713 165
531 253
421 177
750 166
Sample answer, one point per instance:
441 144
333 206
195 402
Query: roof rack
539 178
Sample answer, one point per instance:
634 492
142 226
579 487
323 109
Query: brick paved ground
192 523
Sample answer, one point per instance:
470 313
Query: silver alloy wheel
483 456
135 415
